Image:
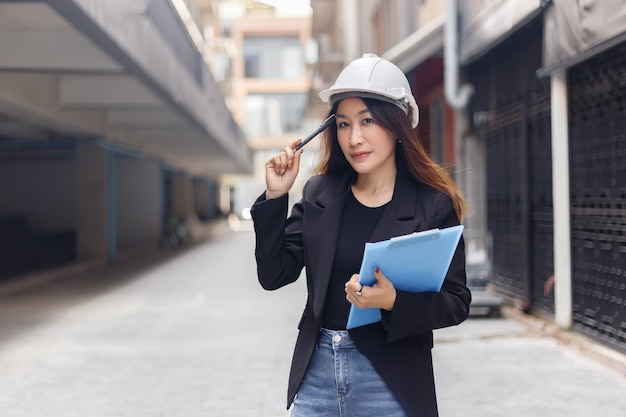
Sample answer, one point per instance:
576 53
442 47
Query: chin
362 170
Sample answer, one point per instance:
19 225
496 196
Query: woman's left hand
382 294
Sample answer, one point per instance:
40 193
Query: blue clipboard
417 262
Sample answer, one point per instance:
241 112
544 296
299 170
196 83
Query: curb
23 282
207 231
572 340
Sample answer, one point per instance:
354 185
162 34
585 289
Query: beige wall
431 10
241 86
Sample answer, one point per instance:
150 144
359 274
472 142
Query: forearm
279 259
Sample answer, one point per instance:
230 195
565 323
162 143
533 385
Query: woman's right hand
281 171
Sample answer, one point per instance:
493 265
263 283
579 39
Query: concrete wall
182 196
92 199
44 191
205 199
139 195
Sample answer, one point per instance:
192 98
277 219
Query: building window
275 57
251 62
274 114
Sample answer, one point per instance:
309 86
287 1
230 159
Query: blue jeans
341 382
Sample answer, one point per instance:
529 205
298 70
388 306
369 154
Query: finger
353 284
281 163
296 157
290 157
273 163
355 299
289 154
295 143
380 277
360 290
354 278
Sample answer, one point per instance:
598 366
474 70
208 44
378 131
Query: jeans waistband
335 338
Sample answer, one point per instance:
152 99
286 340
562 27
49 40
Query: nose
355 136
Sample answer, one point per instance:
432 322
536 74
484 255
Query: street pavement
189 332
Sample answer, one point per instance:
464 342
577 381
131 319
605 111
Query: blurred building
548 109
525 101
270 84
408 33
114 134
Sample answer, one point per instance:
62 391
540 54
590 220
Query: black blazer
400 346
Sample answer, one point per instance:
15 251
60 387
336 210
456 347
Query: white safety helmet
373 77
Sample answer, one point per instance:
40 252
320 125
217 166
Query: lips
360 155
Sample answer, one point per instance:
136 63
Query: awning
484 24
575 31
418 47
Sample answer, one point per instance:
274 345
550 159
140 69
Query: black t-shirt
357 226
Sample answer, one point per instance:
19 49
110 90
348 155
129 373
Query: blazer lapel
399 218
324 214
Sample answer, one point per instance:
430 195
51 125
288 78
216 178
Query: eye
368 120
342 124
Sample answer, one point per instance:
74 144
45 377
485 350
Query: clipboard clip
413 238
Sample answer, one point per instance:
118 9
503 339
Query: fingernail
377 270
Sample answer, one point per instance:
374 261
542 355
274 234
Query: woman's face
368 147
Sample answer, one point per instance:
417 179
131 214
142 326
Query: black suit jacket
400 346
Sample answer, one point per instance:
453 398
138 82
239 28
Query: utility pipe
457 97
561 200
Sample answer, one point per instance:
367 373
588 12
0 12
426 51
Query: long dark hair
411 157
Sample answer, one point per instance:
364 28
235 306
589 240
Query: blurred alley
191 333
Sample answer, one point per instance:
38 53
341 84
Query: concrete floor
191 333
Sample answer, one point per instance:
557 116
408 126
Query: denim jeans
341 382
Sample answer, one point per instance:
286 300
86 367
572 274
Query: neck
374 190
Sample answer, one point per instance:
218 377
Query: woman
375 181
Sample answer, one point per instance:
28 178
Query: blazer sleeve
278 252
414 314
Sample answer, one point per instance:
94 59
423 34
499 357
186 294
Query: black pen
327 122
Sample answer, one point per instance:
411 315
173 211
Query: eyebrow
366 110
